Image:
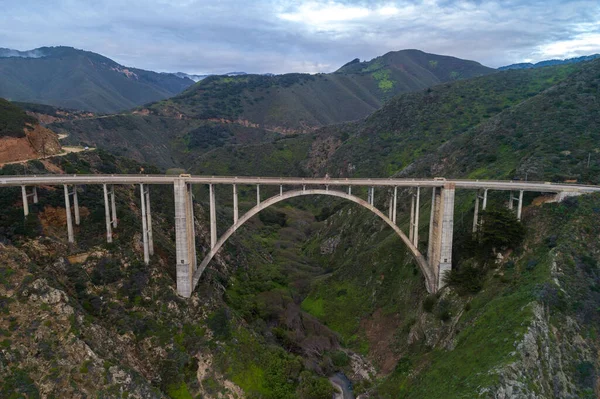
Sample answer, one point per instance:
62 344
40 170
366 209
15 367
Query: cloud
201 36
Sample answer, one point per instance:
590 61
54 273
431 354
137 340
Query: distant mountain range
529 65
300 102
197 78
77 79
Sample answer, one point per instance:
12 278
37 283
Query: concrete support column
213 216
435 230
520 206
372 195
257 194
144 226
76 206
303 187
70 234
191 226
149 221
107 215
446 233
476 213
411 226
113 204
349 190
25 202
280 190
391 207
510 201
185 240
417 206
484 205
235 205
395 204
35 195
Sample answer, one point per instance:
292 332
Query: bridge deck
37 180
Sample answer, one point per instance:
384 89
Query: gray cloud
279 36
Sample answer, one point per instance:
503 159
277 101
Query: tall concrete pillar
372 195
107 215
476 213
213 216
185 238
113 205
417 206
446 215
144 226
70 234
391 207
411 226
520 206
432 222
257 194
484 205
235 205
280 190
191 225
149 221
439 254
76 206
35 195
349 190
510 201
25 201
395 204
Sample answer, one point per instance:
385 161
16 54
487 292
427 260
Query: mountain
300 102
77 79
239 110
528 65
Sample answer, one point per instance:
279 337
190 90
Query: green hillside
301 102
13 120
77 79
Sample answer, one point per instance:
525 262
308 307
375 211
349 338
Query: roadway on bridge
38 180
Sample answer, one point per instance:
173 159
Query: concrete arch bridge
434 265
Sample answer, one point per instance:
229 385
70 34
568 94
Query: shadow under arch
421 261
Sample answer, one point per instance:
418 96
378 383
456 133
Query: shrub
429 303
466 279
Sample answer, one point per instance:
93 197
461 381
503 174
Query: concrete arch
423 265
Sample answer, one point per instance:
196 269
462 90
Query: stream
340 381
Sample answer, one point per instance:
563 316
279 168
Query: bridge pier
235 205
185 239
25 202
76 206
149 221
439 252
416 219
70 235
113 204
144 226
476 213
107 215
395 204
213 215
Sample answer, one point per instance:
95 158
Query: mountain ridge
78 79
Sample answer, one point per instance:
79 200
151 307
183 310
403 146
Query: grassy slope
13 120
551 136
412 125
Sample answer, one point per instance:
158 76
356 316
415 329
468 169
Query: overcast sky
278 36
